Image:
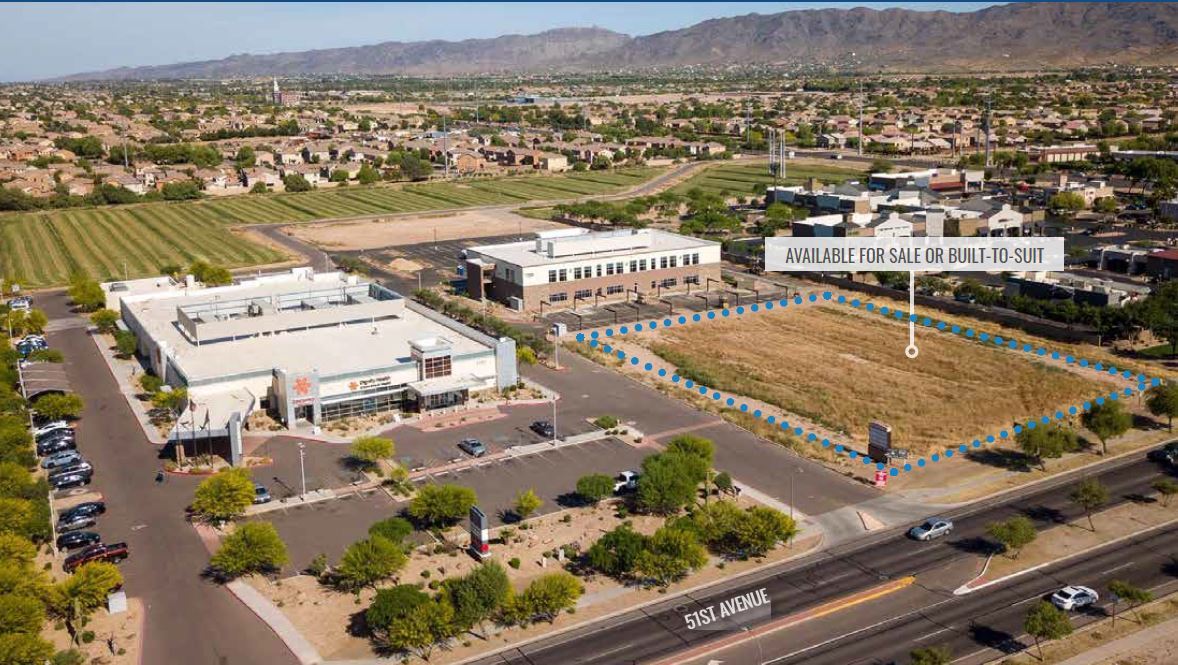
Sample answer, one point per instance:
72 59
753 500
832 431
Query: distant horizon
88 37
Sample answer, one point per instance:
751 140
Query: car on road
1074 597
76 523
112 552
933 527
61 460
55 445
544 428
72 540
71 479
1167 454
626 481
50 427
261 494
472 447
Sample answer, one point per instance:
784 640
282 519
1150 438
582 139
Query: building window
633 266
663 262
599 270
435 367
582 294
551 276
642 265
558 297
618 267
695 259
674 261
576 273
670 282
691 279
614 289
509 273
609 268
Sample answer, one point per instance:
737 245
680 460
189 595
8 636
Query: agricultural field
829 365
43 249
739 178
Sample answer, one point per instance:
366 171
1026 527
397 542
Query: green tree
24 649
21 614
694 446
370 450
1089 495
126 343
1046 622
525 355
478 596
549 595
396 529
339 175
1128 592
669 480
1167 488
75 598
1107 421
594 487
881 165
259 188
253 547
35 321
15 479
106 320
86 294
369 561
58 406
391 606
295 182
246 157
16 549
1047 441
438 505
224 495
732 532
172 400
1066 203
210 274
1162 401
1105 204
670 555
1013 534
526 503
422 627
1160 312
931 656
616 553
367 175
723 482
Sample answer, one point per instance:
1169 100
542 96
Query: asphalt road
189 621
661 630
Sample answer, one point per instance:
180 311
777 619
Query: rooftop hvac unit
516 303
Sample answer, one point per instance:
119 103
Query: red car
112 552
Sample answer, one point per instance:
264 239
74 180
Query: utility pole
860 141
446 146
302 469
986 121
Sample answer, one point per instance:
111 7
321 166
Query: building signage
879 441
304 389
374 382
480 532
881 478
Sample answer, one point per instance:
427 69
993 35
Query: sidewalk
1167 631
129 386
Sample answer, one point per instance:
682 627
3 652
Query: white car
62 459
626 481
1074 597
50 427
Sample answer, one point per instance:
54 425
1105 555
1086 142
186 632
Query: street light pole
554 420
302 469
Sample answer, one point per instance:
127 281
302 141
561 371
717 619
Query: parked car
933 527
626 481
61 432
544 428
80 465
50 427
72 540
112 552
1074 597
20 304
55 446
261 494
76 522
93 508
1167 454
472 447
72 479
61 460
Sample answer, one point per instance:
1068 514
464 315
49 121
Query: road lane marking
1116 568
925 637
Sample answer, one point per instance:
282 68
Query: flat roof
332 347
605 244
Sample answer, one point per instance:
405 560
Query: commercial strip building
306 347
568 268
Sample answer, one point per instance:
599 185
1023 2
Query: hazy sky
46 40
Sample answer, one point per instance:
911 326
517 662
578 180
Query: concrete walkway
269 612
1142 638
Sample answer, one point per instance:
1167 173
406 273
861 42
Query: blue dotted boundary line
595 341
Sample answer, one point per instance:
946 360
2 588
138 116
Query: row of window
614 289
617 267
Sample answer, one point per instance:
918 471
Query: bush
595 487
225 495
526 503
56 406
369 561
439 505
318 566
106 320
254 547
370 450
150 383
396 529
606 422
514 562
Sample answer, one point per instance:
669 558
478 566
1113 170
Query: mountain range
1020 36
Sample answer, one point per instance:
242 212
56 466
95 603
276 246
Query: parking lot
438 261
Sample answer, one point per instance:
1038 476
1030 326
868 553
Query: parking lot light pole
302 470
554 420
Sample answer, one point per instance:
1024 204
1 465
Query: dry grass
841 368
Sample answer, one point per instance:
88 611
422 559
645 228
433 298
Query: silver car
933 527
62 459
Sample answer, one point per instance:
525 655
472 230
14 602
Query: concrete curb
273 617
128 391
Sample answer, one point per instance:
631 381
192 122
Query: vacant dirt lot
374 233
842 368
